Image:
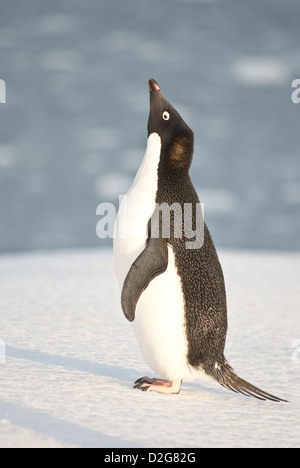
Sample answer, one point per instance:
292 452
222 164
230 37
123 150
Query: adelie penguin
172 286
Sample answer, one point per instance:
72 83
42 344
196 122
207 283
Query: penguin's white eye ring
166 115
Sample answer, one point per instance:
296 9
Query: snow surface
71 358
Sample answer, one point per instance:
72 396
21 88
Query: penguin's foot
157 385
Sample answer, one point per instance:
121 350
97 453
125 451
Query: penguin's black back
200 272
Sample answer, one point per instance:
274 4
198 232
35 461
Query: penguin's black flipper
150 263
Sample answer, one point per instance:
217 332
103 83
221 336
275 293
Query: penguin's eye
166 115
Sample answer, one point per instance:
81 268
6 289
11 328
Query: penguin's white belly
160 325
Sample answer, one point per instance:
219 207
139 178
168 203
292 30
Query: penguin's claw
157 385
147 380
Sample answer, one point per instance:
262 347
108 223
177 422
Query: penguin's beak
153 86
158 103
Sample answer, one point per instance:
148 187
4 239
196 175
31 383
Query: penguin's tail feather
228 379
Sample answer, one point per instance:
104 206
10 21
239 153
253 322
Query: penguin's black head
177 139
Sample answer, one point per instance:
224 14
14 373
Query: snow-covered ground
71 358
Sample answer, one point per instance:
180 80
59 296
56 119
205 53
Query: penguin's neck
146 180
136 209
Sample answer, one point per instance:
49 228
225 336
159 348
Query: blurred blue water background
73 128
